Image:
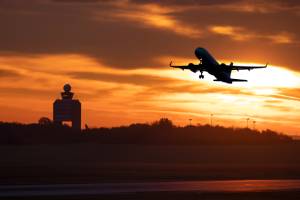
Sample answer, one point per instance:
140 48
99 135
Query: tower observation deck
67 109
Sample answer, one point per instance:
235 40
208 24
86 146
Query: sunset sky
116 56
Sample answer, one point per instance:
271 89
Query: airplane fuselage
209 64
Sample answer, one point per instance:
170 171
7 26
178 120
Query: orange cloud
153 16
242 34
261 6
282 38
236 33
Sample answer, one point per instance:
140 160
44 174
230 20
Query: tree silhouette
161 132
44 121
163 123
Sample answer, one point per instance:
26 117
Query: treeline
161 132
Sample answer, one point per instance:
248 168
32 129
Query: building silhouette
67 109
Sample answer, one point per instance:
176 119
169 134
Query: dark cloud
290 3
90 28
87 95
153 91
53 29
134 79
52 94
186 2
79 1
5 73
28 92
197 88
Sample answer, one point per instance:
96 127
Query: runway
127 188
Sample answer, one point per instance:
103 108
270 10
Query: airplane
208 63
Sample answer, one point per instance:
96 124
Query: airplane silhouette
209 64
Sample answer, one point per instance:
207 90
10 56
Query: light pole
190 122
254 125
247 121
211 116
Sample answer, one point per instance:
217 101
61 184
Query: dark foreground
279 195
92 163
221 186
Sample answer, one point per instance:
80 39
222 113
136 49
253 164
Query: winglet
171 64
267 64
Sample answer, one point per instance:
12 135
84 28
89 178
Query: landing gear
201 76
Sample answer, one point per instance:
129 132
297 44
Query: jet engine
192 67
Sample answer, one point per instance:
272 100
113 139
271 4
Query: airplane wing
246 67
183 67
190 66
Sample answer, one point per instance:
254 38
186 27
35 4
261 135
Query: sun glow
266 91
272 76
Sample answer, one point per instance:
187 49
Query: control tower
67 109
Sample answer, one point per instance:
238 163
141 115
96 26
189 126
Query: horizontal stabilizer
232 80
238 80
